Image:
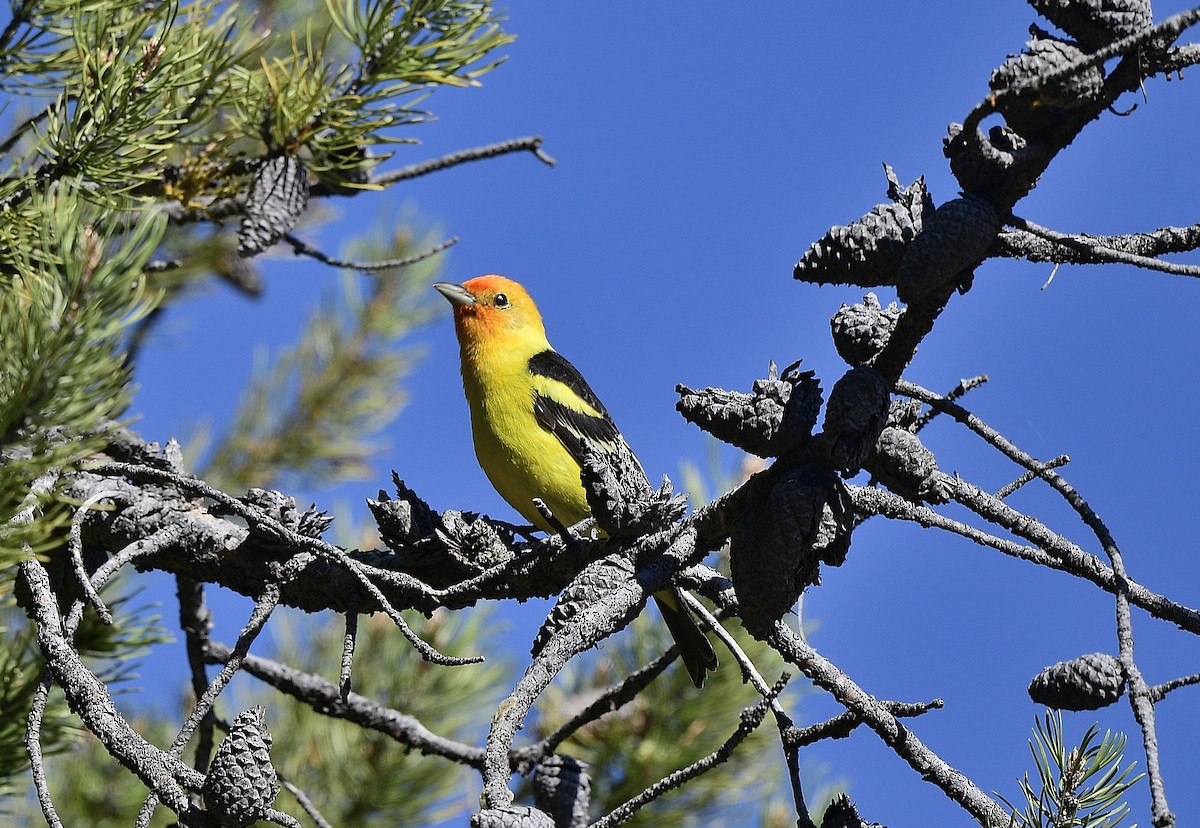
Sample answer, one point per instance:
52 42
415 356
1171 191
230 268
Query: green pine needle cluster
70 291
1079 786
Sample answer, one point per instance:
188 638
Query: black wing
575 427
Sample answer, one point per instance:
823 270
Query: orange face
491 308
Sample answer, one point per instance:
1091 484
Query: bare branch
1096 250
1030 476
532 144
326 698
303 249
87 696
196 622
348 643
75 547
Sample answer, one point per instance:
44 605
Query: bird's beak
456 294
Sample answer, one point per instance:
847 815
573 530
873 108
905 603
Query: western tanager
531 415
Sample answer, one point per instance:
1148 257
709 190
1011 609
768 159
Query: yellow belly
524 461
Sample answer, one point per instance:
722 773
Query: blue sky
700 153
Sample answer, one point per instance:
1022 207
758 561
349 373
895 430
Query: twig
167 536
1022 244
1074 559
612 699
325 698
1029 476
1178 58
843 724
29 122
33 747
977 425
1067 558
280 818
562 531
304 802
791 757
1159 691
749 671
348 642
75 546
1094 248
782 719
196 622
530 144
303 249
751 718
956 393
1141 695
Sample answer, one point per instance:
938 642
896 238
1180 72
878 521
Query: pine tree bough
781 524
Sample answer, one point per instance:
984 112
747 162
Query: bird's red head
492 309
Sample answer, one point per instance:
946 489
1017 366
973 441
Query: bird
533 416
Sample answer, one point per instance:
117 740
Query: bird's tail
693 644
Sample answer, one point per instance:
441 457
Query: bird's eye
501 300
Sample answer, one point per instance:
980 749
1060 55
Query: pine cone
856 414
777 417
275 202
620 497
955 240
1033 111
842 813
1088 682
404 520
903 464
241 784
861 331
311 523
562 788
867 251
1096 23
773 551
473 542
